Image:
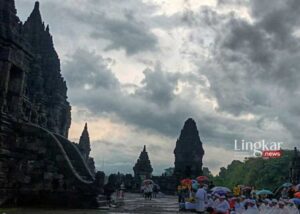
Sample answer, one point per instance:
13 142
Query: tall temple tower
143 168
45 73
188 152
84 143
85 148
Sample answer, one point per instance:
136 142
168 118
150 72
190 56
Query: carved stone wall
38 164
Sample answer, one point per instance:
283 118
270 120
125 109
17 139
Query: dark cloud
128 34
158 86
248 69
253 64
87 70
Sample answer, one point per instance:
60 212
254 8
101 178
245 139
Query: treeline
258 172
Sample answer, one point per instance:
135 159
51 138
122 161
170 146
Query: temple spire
143 168
8 14
84 142
189 151
34 21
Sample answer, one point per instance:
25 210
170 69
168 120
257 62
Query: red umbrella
202 178
297 195
186 182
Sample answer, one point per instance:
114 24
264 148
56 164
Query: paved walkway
133 203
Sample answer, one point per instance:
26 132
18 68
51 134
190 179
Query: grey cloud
128 34
158 86
86 69
153 106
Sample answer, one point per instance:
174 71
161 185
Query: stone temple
188 152
143 169
38 164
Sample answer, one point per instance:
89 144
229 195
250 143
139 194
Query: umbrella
194 182
224 189
287 184
202 178
264 192
246 188
195 186
186 182
148 181
297 195
296 201
219 192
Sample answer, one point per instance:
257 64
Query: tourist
251 208
292 207
239 206
209 204
280 209
148 190
155 190
201 196
223 206
108 191
265 206
284 193
121 190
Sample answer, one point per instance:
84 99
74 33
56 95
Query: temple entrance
14 89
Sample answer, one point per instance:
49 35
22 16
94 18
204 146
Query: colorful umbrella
296 201
186 182
264 192
194 182
287 184
202 178
195 186
224 189
297 195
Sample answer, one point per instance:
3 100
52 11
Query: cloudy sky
137 69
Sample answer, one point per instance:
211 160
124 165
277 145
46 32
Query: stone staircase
72 159
76 158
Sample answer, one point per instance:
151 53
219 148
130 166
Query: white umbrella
224 189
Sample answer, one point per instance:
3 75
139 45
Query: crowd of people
149 189
203 197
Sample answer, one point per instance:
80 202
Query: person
148 191
239 206
121 191
280 209
265 206
201 196
223 206
155 190
236 190
252 208
292 207
209 204
108 191
284 193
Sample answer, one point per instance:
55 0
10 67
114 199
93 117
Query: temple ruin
38 164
